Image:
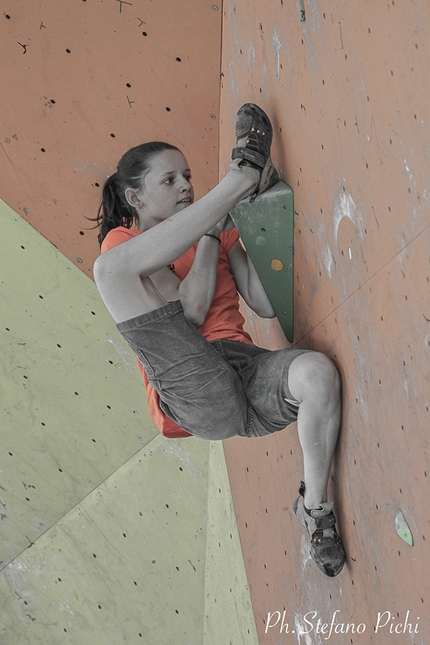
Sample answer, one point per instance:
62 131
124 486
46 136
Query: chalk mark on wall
346 207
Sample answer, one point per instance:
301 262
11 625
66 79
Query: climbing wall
93 501
346 87
85 80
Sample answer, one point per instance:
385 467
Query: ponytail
114 210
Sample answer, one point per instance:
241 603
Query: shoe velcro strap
325 522
250 155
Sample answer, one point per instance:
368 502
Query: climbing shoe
326 546
253 140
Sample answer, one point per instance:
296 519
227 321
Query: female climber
170 272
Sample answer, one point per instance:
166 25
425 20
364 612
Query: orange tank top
223 320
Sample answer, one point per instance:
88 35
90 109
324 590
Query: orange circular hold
276 264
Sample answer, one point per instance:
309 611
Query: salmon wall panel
83 81
347 93
340 96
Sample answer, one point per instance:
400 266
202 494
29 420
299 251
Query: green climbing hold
402 528
266 227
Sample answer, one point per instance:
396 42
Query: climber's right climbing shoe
253 140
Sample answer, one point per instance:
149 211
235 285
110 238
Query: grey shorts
212 390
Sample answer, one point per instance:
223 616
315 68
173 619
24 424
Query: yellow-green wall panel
126 565
73 408
229 618
110 533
